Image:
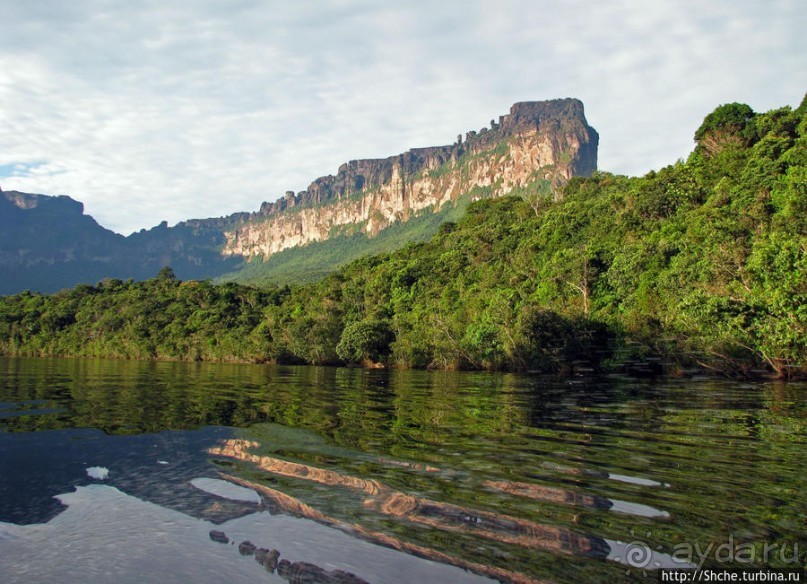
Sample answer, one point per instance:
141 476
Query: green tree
367 340
728 124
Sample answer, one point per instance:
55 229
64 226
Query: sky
175 109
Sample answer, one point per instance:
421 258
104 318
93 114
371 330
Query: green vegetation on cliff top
701 264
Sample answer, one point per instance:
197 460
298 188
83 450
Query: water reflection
279 502
36 467
531 476
434 514
106 535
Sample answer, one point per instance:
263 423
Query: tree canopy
700 264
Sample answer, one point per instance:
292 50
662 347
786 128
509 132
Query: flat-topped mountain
547 141
47 243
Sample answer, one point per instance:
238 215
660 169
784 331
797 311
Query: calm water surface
163 472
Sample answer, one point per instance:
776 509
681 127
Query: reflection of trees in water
350 405
733 447
439 515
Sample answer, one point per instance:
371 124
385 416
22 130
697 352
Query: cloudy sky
170 109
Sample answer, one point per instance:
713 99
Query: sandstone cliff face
536 140
48 243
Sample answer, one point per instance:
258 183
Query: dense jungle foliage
701 264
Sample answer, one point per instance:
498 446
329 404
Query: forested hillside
701 264
369 206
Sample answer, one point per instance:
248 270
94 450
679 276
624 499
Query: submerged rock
247 548
305 573
219 537
284 568
267 558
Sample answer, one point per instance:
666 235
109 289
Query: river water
120 472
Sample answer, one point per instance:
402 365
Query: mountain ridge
541 143
552 137
699 266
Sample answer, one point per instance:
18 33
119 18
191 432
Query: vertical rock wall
535 140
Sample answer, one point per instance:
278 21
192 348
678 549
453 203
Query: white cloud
171 110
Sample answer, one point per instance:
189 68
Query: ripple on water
515 478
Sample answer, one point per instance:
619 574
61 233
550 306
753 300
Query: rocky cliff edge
548 140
